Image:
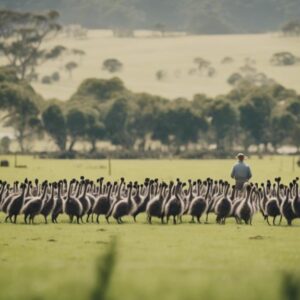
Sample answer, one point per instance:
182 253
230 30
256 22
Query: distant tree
296 137
227 60
55 125
202 63
95 131
178 125
8 74
255 116
55 76
102 90
5 144
160 75
70 66
112 65
144 117
224 122
160 28
55 52
46 79
291 28
76 125
78 52
282 128
17 101
235 78
21 37
117 123
294 108
211 72
284 59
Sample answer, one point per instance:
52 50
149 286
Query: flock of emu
86 199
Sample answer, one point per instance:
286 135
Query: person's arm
233 172
249 173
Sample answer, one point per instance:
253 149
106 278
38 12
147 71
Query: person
241 172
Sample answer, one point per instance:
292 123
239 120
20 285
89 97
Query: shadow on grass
290 287
105 267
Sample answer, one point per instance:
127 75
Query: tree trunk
93 148
73 141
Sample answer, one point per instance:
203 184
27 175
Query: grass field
185 261
143 56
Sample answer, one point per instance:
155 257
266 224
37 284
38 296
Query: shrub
160 75
55 76
235 78
284 59
112 65
46 80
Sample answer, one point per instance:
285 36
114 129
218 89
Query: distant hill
196 16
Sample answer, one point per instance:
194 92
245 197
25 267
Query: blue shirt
241 172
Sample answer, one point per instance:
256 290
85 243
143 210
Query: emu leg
46 221
198 220
206 221
274 221
97 219
280 220
107 219
174 220
15 219
78 220
267 218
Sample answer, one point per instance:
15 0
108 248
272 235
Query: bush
227 60
112 65
284 59
46 80
235 78
55 76
160 75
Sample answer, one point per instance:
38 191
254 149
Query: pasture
144 55
186 261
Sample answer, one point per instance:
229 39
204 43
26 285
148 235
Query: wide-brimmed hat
241 155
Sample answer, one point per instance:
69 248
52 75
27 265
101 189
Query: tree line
105 110
195 16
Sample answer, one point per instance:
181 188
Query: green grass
186 261
52 169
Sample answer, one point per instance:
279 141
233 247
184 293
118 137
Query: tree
55 125
144 117
224 122
112 65
284 59
21 111
291 28
178 124
255 116
76 125
235 79
5 144
282 128
70 66
21 37
160 27
95 131
117 123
